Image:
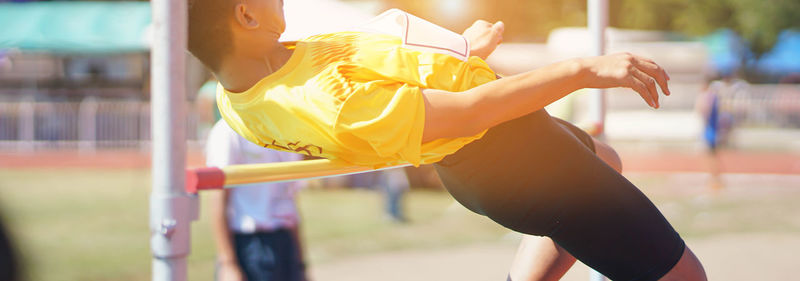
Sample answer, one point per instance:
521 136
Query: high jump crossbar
210 178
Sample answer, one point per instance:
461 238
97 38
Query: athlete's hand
630 71
484 37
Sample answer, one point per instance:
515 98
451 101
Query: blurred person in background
716 125
393 183
256 228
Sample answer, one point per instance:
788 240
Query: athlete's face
273 13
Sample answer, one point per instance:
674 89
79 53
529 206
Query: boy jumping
376 100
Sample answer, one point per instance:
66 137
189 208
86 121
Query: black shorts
269 256
539 175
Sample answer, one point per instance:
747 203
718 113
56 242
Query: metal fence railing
776 106
87 125
112 124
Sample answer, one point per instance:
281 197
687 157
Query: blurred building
758 109
76 75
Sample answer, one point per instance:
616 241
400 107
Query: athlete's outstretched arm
449 114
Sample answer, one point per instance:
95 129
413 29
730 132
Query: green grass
72 224
741 207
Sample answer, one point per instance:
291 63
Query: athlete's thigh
597 215
534 177
602 150
579 133
512 173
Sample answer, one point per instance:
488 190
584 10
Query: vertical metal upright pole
87 127
598 21
26 124
171 209
597 13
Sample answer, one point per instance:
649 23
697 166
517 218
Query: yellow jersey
354 97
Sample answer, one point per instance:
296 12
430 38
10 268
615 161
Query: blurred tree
525 20
757 21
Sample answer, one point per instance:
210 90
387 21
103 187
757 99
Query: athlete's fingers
649 82
639 87
653 62
655 71
499 26
660 75
644 59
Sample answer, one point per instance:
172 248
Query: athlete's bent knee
608 155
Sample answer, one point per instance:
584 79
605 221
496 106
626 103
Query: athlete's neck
240 71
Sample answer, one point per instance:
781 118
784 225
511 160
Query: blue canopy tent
784 58
727 50
65 50
75 27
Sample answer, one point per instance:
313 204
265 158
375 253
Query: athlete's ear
245 17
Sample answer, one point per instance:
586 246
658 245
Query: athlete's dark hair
210 35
